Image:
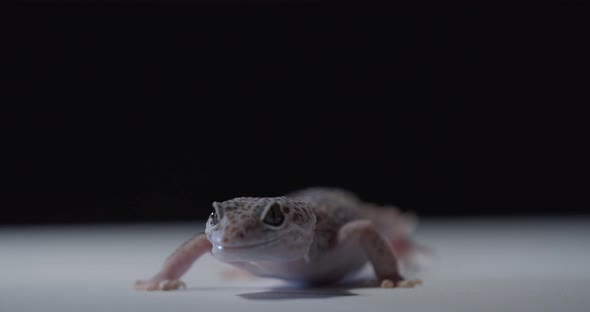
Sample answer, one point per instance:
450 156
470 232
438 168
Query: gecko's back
333 208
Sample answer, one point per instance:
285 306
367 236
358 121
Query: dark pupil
274 216
213 218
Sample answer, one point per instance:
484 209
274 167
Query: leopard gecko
312 236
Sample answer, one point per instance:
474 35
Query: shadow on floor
283 294
294 291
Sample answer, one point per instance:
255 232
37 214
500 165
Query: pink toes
387 283
152 285
148 285
173 285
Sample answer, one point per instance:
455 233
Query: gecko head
260 229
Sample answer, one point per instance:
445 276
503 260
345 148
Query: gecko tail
409 253
397 228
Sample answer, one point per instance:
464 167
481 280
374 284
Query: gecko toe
173 285
146 285
409 283
387 283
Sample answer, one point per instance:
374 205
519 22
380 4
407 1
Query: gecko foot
387 283
148 285
152 285
173 285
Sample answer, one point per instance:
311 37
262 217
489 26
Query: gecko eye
273 215
215 215
214 218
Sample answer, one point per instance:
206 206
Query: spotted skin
312 236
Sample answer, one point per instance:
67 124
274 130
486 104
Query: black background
145 111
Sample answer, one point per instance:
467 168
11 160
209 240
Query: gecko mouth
269 250
246 246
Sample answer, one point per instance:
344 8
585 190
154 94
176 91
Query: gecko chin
268 251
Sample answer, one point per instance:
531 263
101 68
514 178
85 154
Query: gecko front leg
176 265
364 234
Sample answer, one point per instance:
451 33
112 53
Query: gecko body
313 236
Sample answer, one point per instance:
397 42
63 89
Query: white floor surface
480 265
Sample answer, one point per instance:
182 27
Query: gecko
313 236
